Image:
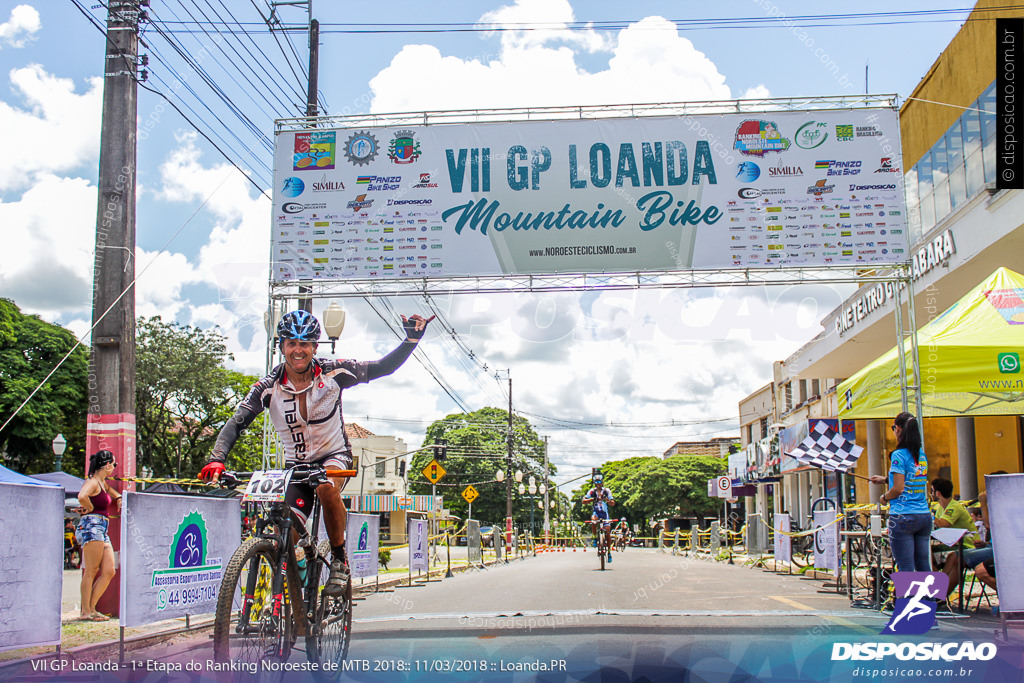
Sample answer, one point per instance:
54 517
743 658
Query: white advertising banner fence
362 539
418 536
173 553
31 564
473 542
714 191
1004 492
826 540
783 543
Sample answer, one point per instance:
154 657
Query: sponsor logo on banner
191 577
379 183
292 187
844 132
784 171
747 172
885 166
361 148
325 185
314 150
757 138
403 148
868 131
819 188
861 188
297 207
425 182
811 134
360 202
834 167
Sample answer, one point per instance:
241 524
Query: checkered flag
827 449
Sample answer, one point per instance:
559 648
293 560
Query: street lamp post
60 444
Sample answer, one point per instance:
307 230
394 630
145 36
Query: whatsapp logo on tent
1009 363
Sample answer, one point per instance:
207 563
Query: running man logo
917 594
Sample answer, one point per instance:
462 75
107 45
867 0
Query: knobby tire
259 636
331 621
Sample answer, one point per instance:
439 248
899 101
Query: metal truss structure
680 109
572 282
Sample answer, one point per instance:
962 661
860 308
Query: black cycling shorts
300 496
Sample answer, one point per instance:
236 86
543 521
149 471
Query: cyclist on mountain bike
622 532
303 395
601 498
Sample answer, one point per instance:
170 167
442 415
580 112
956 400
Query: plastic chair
969 589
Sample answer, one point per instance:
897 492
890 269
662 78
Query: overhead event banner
173 553
798 188
418 537
363 534
31 564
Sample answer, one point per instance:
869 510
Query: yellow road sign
433 472
470 494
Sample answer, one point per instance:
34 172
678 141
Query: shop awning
969 358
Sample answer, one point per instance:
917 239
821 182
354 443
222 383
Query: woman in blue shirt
910 520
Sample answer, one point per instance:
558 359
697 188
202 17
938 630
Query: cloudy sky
604 374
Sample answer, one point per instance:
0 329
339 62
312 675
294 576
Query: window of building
764 427
955 169
957 172
379 468
815 387
750 433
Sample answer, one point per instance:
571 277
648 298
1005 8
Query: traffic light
401 469
441 449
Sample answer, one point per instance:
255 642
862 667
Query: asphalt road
557 616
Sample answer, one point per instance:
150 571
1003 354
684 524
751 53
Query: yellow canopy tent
969 358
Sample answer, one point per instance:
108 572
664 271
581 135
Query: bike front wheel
331 627
252 625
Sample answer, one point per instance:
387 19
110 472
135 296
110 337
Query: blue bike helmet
299 325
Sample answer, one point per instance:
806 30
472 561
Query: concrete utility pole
111 418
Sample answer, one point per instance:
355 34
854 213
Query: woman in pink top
97 500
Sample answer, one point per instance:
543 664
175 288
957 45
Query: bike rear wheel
250 626
331 622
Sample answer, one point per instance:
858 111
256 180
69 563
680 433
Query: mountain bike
266 600
602 540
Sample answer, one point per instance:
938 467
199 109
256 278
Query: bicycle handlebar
302 473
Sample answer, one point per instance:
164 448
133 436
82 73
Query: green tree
184 395
29 349
477 449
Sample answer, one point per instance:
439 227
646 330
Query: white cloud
650 62
532 23
233 259
49 232
758 92
59 131
21 27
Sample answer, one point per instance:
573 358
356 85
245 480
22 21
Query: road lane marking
834 618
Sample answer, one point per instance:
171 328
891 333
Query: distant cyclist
621 532
601 498
303 396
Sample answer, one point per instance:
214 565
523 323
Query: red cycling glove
212 471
